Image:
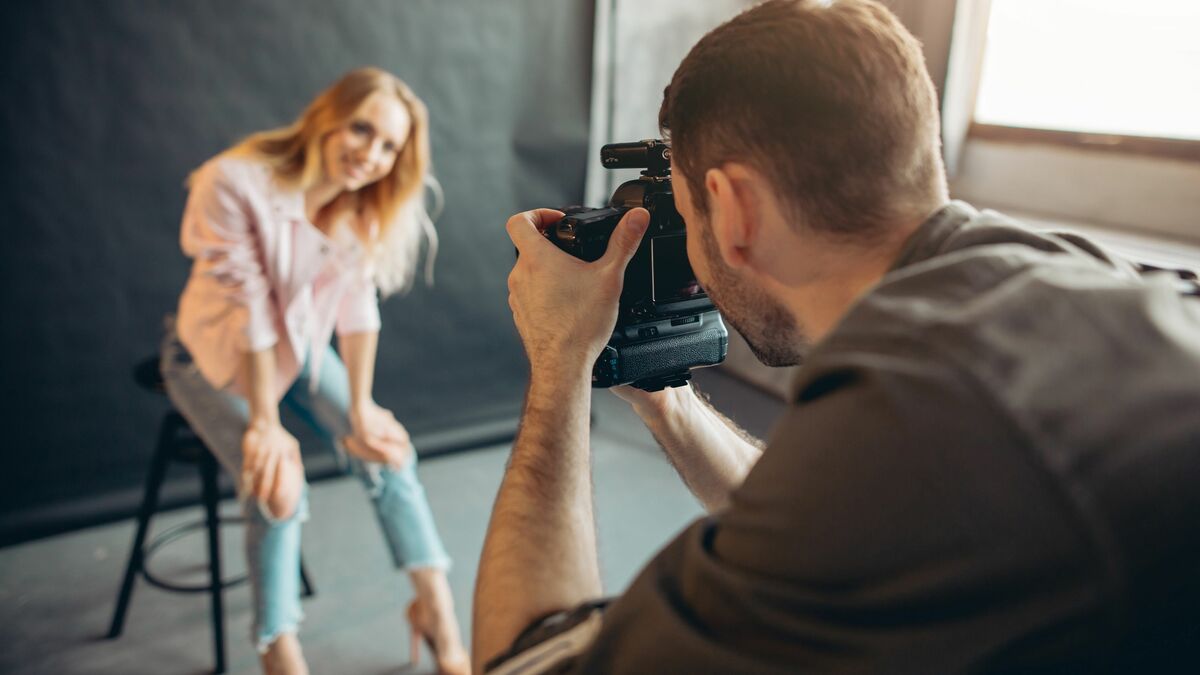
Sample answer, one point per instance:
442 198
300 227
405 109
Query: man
991 456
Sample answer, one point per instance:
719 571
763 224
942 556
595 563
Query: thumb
626 237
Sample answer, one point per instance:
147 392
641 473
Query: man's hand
647 403
539 555
377 436
565 308
711 453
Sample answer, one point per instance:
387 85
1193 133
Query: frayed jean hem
248 501
441 564
264 639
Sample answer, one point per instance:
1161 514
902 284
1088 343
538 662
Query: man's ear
736 211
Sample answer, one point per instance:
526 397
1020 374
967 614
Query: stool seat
148 376
177 442
187 446
192 454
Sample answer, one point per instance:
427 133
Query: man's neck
853 271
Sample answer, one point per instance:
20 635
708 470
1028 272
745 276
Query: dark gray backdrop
108 105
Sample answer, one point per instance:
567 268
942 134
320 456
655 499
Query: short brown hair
830 100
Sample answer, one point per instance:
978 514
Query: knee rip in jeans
283 504
376 475
277 515
282 510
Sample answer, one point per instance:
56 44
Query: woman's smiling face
365 148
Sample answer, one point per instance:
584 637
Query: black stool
177 442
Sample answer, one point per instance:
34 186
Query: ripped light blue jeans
272 545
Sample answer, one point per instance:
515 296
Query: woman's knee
285 498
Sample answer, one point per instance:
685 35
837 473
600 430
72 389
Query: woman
293 231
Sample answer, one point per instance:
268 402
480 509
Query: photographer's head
806 136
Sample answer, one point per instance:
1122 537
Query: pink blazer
264 276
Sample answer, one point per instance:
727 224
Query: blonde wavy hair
388 216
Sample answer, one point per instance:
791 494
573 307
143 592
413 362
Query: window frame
1139 185
1144 146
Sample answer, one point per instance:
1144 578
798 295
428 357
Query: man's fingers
526 227
626 237
632 394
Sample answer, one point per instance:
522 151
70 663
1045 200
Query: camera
666 324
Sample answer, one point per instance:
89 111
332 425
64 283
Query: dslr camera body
666 324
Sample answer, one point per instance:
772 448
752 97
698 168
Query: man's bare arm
540 552
539 555
710 452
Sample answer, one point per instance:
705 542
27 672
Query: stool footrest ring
172 534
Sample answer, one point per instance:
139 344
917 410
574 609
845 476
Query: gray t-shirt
992 463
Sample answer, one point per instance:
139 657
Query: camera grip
667 359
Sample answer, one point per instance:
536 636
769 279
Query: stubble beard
771 331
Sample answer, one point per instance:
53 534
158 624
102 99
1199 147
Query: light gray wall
638 46
931 22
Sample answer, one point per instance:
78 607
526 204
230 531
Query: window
1101 66
1105 74
1082 111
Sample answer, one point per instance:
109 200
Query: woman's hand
271 467
377 436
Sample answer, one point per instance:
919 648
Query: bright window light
1129 67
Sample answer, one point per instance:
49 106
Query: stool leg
308 588
154 480
208 477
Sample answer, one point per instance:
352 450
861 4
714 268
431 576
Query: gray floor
56 595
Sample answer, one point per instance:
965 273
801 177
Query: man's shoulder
1091 372
1028 317
990 279
1078 356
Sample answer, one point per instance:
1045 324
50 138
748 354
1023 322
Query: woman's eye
360 128
389 147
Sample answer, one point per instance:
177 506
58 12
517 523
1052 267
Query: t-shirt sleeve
893 519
